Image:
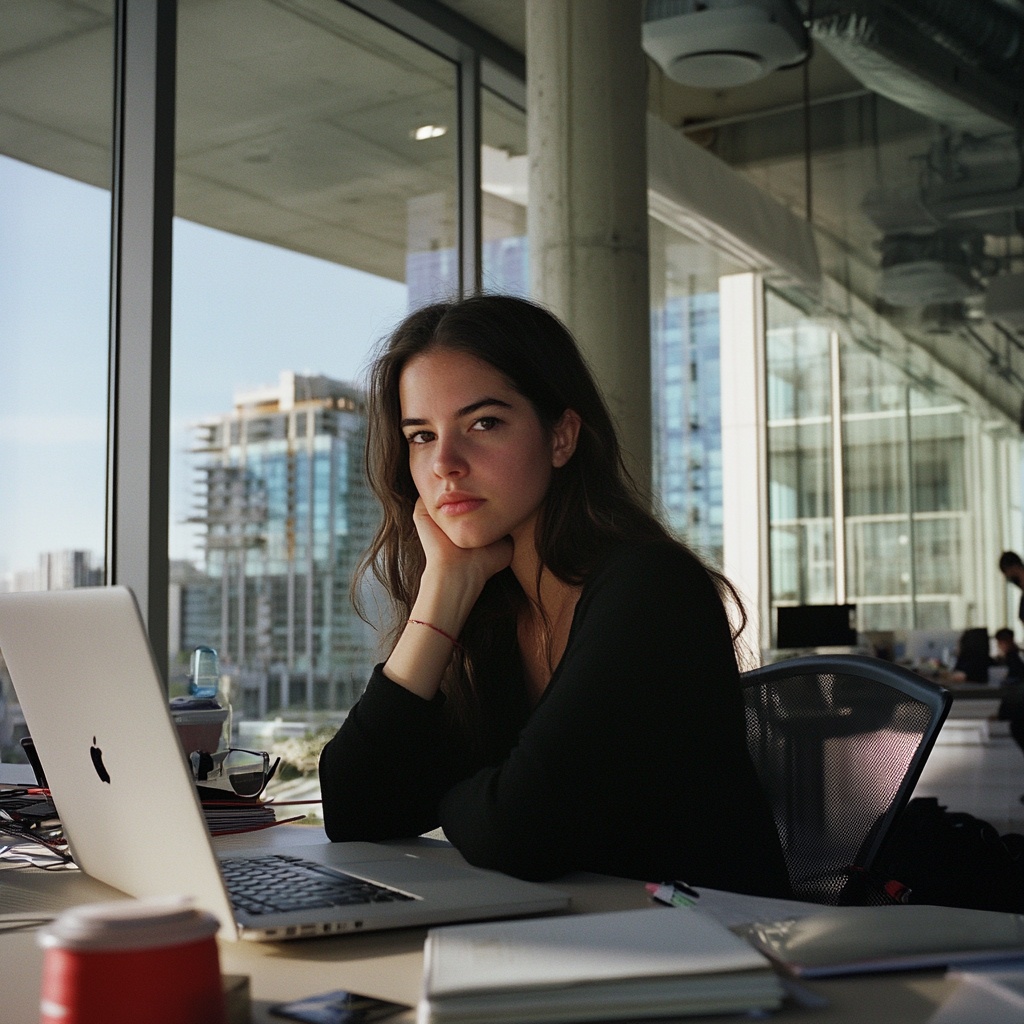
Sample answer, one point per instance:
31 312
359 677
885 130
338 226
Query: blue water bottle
204 673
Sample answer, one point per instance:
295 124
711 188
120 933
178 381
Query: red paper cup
134 960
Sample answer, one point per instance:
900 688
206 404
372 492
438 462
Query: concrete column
587 219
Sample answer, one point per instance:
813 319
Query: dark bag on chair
944 858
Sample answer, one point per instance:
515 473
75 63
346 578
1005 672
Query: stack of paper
622 965
241 814
223 821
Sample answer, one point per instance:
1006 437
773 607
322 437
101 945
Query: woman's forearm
425 647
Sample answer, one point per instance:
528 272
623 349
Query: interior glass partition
56 108
800 457
905 464
876 455
916 218
315 202
869 502
685 387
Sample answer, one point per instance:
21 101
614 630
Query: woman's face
479 456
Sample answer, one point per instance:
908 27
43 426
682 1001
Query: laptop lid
97 712
85 675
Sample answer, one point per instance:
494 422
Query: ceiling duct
1004 301
719 44
922 270
983 33
955 62
933 245
964 181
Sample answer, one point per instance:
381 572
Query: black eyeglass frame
208 769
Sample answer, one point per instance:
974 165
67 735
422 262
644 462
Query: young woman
561 691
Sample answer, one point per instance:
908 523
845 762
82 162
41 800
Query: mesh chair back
839 743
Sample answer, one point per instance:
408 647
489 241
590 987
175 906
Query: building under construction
286 512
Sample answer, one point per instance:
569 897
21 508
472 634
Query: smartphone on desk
340 1007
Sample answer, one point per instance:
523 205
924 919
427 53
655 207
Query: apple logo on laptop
97 762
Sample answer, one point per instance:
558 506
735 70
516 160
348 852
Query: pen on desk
673 894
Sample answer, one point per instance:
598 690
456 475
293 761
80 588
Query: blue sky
242 312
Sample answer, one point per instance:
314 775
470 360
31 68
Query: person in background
972 657
1011 566
561 689
1009 655
1011 707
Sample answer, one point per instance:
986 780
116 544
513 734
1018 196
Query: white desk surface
389 964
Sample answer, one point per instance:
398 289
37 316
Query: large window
315 202
503 174
56 85
322 187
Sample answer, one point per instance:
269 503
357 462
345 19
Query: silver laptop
84 672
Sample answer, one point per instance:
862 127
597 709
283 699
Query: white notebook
619 965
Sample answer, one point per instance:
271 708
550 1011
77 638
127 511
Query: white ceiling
294 121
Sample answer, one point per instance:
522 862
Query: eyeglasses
243 772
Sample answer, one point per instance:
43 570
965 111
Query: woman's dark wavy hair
592 504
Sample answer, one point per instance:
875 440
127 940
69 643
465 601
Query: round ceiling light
717 70
719 44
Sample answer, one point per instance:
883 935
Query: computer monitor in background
918 646
816 625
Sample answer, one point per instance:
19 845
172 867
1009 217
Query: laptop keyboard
278 883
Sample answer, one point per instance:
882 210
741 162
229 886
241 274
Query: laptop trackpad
384 864
413 871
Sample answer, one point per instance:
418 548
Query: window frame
142 205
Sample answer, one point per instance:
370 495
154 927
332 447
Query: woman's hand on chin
446 558
449 587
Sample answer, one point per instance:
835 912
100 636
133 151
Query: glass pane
938 557
504 175
879 527
878 559
56 88
316 184
800 456
938 460
943 586
686 386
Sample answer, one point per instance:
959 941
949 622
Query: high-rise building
286 513
687 432
57 570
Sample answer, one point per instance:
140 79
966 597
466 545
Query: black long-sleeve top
633 763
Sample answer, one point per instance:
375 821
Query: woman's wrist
431 633
418 661
446 601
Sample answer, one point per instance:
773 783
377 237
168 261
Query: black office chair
839 742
